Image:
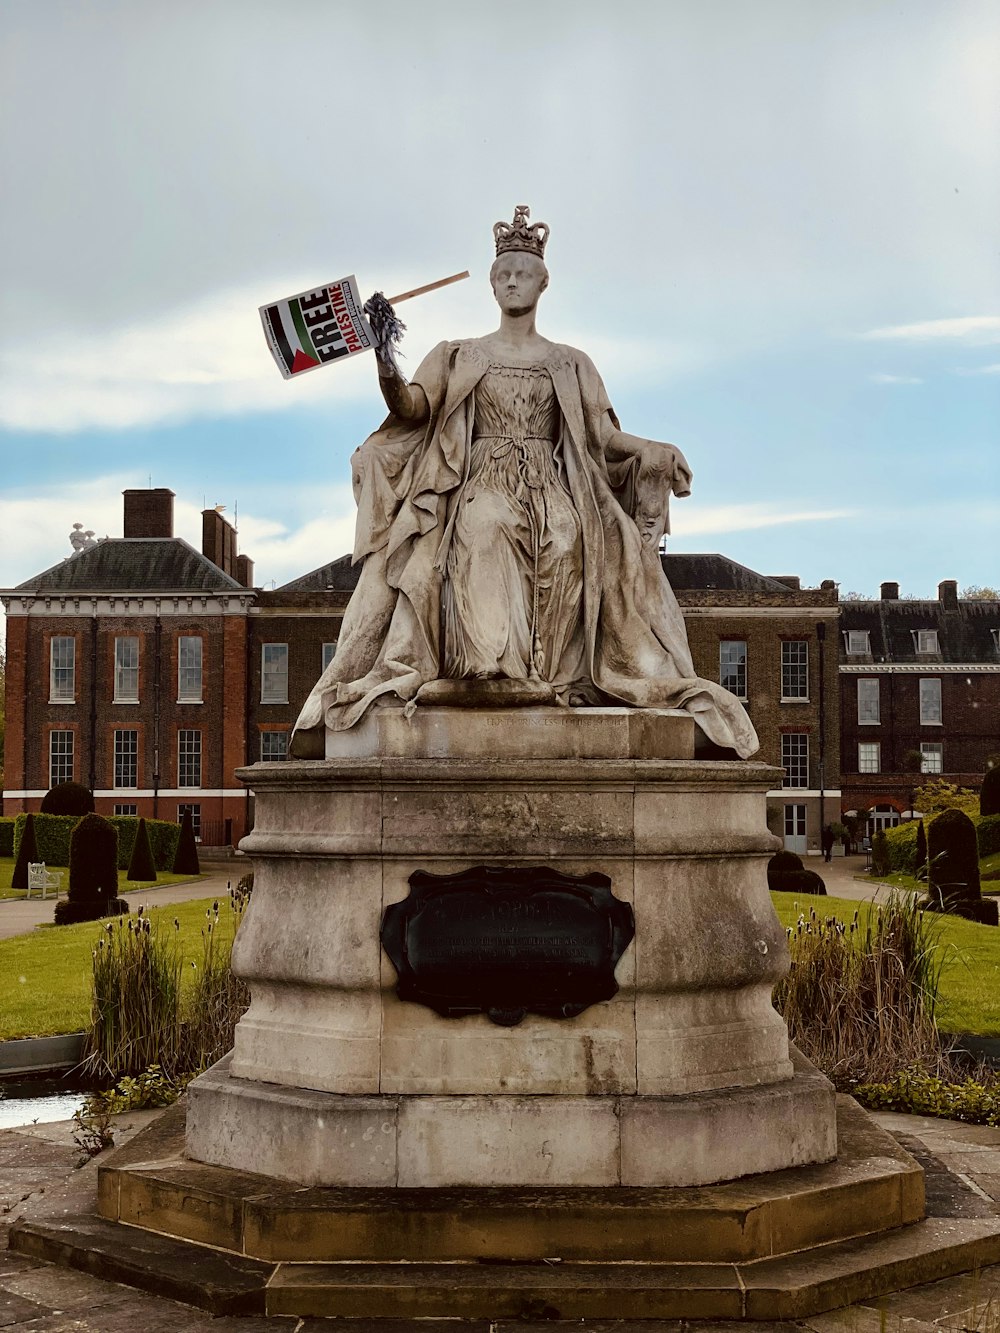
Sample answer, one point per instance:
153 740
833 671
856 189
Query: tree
186 856
27 852
93 873
975 593
141 869
939 795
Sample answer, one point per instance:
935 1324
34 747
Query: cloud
210 360
724 519
881 378
980 370
977 330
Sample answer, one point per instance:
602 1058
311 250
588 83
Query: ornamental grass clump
860 998
151 1009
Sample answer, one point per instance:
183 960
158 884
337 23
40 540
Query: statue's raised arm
508 531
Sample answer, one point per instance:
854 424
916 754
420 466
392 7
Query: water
38 1101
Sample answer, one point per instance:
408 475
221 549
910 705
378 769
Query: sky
775 228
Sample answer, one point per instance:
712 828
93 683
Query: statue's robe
407 482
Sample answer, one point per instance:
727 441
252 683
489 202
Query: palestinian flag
316 327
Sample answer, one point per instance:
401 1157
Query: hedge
7 835
52 834
901 841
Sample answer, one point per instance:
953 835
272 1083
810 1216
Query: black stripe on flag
278 333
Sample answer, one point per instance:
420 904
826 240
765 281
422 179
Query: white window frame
274 673
795 673
728 663
930 702
126 809
127 669
931 757
857 642
189 753
190 669
62 669
869 709
327 656
267 741
124 750
926 641
795 759
869 756
195 808
62 756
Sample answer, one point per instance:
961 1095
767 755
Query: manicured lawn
124 885
45 976
970 954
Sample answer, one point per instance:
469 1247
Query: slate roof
134 564
964 630
716 572
338 574
683 571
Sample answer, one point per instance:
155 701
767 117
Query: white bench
41 879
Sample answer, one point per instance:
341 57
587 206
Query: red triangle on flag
302 362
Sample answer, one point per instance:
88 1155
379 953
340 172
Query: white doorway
882 817
795 828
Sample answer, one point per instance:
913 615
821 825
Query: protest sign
313 328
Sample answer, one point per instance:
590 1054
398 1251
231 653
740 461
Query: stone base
784 1245
413 1142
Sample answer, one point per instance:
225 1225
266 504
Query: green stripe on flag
301 330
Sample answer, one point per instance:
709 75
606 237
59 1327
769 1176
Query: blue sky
775 228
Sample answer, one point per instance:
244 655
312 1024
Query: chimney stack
244 571
218 541
149 513
789 580
948 594
890 592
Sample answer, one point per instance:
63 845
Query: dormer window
857 642
926 640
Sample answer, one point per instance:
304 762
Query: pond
37 1101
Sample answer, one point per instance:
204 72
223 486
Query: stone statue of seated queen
508 532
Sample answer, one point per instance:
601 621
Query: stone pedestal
683 1078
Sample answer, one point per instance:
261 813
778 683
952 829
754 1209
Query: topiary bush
68 798
787 874
93 873
6 835
140 865
900 848
52 835
27 852
920 869
989 792
988 835
953 869
163 836
186 857
881 856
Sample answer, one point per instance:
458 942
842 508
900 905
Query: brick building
919 695
774 644
127 670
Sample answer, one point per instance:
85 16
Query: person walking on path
827 841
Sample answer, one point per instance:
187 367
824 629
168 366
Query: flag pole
430 287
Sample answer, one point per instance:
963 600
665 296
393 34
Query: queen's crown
519 236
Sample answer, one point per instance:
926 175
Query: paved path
838 876
39 1177
19 916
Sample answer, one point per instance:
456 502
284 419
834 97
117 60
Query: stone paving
40 1176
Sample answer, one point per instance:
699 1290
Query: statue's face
518 281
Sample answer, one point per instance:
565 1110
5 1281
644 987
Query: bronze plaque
507 941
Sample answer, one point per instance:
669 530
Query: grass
969 954
124 885
46 975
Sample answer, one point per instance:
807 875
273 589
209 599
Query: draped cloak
408 480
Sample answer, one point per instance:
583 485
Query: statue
81 540
508 531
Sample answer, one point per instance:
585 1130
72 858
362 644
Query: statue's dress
513 592
500 538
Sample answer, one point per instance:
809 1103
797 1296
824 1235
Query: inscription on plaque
507 941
